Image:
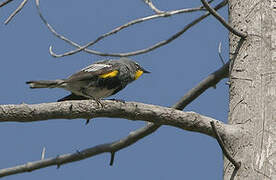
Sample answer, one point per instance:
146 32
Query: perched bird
99 80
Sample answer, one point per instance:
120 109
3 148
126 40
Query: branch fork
226 153
223 22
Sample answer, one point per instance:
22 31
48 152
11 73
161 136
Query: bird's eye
137 66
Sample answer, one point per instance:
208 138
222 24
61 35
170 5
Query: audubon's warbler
97 81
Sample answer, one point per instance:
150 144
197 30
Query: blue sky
176 68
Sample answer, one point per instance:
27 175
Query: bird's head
134 67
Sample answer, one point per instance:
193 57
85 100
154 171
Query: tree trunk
253 89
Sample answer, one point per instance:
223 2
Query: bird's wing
97 70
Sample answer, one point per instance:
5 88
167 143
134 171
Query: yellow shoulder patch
138 74
109 74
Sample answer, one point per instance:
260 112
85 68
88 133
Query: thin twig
106 34
112 158
43 153
234 173
87 121
5 3
81 48
150 4
142 51
84 48
223 148
132 138
18 9
223 22
219 53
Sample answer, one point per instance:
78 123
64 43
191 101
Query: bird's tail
45 83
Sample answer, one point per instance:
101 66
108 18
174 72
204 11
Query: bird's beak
145 71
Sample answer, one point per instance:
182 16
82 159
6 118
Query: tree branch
142 51
223 148
112 158
67 158
133 22
5 3
223 22
206 83
151 5
132 138
117 145
219 53
17 10
90 109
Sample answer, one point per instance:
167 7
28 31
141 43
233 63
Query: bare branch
223 148
18 9
66 158
43 153
223 22
157 45
90 109
112 158
80 155
206 83
219 53
150 4
5 3
133 137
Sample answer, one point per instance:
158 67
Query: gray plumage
98 80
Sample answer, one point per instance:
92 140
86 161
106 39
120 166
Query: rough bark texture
89 109
253 89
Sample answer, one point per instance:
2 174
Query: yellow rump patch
110 74
138 74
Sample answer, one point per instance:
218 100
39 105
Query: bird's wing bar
92 71
95 67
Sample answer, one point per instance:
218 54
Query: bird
96 81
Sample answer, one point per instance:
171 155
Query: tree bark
89 109
253 89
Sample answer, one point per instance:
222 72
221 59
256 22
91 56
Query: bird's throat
138 74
